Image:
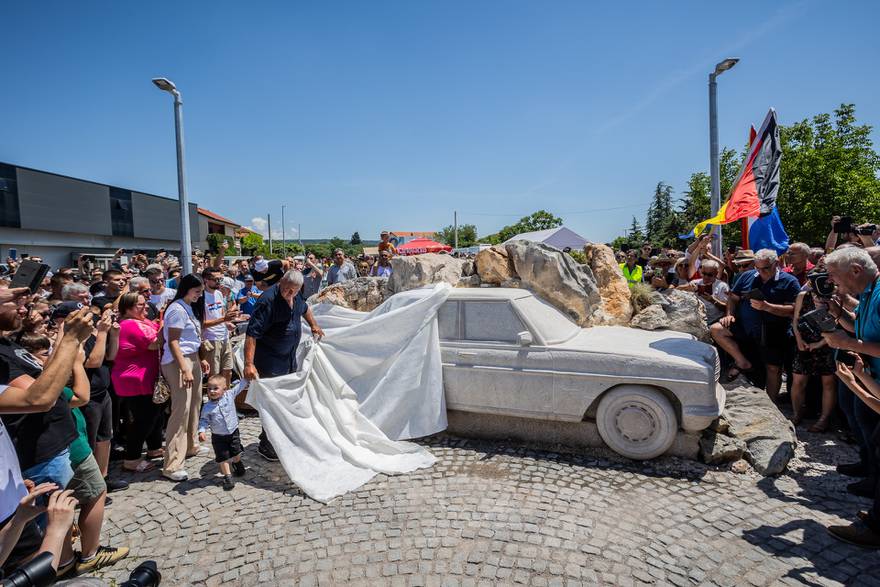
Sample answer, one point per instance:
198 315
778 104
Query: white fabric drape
374 377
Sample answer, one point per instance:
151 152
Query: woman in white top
183 370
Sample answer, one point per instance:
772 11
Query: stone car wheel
637 422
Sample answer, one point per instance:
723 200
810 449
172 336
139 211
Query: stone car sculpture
507 352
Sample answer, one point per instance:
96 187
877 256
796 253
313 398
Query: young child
219 415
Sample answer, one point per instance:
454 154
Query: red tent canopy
417 246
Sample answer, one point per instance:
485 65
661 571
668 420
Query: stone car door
484 367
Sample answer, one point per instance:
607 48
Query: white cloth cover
374 376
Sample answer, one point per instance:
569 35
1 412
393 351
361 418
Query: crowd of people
810 318
110 363
102 364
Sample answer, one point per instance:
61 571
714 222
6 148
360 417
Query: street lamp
714 171
167 85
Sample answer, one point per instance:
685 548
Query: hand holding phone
30 274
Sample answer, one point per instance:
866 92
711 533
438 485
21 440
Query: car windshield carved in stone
506 352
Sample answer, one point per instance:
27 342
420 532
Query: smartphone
846 358
867 230
756 294
30 274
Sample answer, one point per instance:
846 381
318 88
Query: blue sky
370 115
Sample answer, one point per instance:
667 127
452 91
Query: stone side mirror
524 338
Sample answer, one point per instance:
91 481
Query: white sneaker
179 475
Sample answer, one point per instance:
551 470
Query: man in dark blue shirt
273 336
759 328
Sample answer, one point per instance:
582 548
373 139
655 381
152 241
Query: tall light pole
714 170
283 239
167 85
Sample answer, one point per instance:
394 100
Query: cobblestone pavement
490 514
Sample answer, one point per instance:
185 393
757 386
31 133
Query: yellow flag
717 219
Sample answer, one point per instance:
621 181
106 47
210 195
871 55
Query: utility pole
269 222
455 229
714 172
283 237
299 235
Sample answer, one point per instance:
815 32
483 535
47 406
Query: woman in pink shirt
134 372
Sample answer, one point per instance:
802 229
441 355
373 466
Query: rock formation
612 284
418 270
363 294
493 265
682 310
556 278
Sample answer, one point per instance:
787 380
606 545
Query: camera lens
144 575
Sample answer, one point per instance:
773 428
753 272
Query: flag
755 190
767 232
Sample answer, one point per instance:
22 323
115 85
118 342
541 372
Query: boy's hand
201 437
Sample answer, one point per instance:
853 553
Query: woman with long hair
183 370
134 373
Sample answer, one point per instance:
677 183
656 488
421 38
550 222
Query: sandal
141 467
155 454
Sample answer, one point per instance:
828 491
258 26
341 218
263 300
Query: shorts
219 355
818 362
99 420
226 446
56 470
87 483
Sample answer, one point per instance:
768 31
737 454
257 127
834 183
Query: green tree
355 239
633 238
467 235
663 224
540 220
251 242
829 166
214 239
695 204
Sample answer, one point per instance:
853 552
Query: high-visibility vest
634 276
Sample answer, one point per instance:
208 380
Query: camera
846 358
844 225
821 283
867 229
812 324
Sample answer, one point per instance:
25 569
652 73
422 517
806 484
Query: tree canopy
540 220
467 235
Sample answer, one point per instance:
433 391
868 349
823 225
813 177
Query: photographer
814 358
842 228
855 273
758 329
711 290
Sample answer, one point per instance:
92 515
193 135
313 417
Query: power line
560 213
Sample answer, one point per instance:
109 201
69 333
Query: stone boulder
613 288
768 435
493 265
716 448
651 318
417 270
683 312
556 278
362 294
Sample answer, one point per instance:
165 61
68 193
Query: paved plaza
488 513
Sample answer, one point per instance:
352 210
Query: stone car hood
630 351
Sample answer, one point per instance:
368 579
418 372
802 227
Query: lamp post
283 238
167 85
714 171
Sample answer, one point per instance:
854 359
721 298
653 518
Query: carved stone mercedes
509 353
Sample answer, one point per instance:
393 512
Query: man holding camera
856 274
759 310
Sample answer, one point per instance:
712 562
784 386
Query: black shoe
238 469
858 535
268 453
228 483
863 488
115 485
853 469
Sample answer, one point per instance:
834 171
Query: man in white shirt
216 334
160 295
711 291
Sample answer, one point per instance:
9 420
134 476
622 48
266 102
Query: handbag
161 389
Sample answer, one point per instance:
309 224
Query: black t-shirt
99 377
37 437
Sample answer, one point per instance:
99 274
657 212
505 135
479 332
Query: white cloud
261 225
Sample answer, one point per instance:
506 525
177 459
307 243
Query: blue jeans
861 419
56 470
